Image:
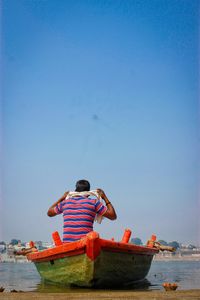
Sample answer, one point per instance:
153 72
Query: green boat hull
94 262
108 269
68 271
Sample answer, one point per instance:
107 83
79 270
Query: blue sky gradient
107 91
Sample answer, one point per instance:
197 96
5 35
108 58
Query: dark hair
82 185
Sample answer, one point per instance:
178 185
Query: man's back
79 211
78 216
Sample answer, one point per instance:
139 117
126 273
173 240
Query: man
79 212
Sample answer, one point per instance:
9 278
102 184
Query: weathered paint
75 270
119 269
109 269
94 262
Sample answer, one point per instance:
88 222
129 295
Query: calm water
24 276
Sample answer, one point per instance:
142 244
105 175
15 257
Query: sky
106 91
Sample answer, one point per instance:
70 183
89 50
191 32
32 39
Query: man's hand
64 196
110 213
51 212
101 193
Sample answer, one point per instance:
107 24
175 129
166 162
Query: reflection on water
24 276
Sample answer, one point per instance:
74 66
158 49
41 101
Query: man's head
82 186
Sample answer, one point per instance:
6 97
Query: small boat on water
94 262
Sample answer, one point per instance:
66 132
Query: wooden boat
94 262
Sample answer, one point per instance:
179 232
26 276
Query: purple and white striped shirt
78 216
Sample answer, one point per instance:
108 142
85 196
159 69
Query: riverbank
107 295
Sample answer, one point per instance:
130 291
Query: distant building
47 245
2 248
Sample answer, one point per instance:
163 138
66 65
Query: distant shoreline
176 258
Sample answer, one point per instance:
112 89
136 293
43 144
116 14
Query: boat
94 262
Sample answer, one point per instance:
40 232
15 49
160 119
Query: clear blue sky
106 91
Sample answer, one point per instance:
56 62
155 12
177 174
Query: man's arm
51 212
110 213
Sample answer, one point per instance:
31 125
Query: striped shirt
78 216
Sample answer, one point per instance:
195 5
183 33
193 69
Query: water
185 273
24 277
